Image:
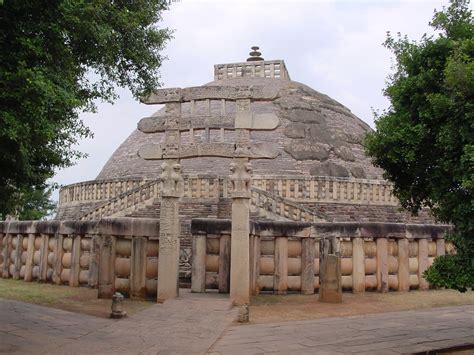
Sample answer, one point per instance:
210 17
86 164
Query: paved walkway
196 324
187 325
386 333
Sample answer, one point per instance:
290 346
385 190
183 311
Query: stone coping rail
124 226
326 229
297 188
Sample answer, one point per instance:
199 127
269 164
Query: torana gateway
284 162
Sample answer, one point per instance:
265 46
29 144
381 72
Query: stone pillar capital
172 182
241 178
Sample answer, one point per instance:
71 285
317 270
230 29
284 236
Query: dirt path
271 308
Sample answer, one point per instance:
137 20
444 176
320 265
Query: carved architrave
224 150
263 121
253 92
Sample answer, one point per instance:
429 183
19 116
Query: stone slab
254 92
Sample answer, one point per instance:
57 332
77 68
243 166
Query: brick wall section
339 212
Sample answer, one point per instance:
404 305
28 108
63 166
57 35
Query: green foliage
58 57
425 140
35 204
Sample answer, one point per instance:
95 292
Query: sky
335 47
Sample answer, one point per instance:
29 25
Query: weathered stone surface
345 153
329 169
358 172
295 130
290 103
330 289
305 116
301 149
151 152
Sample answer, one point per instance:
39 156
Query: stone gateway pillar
241 151
172 190
240 257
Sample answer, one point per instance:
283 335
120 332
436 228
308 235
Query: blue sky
335 47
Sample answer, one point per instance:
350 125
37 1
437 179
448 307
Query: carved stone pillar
172 189
239 270
241 181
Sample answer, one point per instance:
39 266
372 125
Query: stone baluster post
358 266
198 279
330 289
224 263
6 252
172 189
18 252
403 265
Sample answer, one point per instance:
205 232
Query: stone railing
324 189
97 190
114 254
279 208
285 256
146 193
295 188
126 202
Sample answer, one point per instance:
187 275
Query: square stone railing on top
115 198
296 188
275 69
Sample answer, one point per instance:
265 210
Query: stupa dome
319 170
317 136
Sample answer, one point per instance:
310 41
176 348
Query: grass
75 299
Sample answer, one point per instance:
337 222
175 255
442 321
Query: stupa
319 172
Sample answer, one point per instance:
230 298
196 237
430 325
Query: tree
57 58
425 140
35 204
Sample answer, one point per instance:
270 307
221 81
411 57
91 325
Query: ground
264 308
272 308
74 299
